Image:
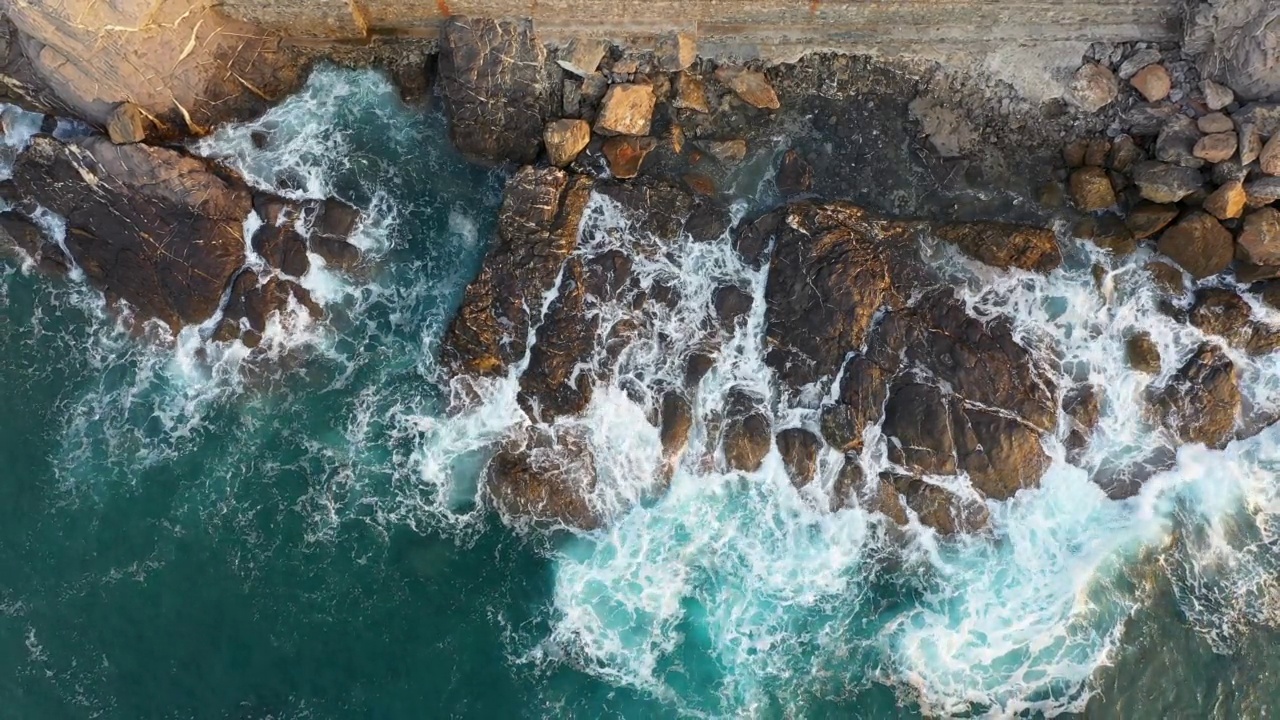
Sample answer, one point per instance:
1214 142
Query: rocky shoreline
856 319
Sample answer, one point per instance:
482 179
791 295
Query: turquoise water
189 533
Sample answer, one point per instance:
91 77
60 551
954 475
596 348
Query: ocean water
189 531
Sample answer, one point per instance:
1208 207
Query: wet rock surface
1202 401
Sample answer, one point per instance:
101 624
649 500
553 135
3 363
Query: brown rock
127 124
1091 189
1083 408
626 154
1259 239
1124 154
1201 402
565 140
626 110
795 175
728 152
1153 82
864 386
1107 232
700 183
581 56
1226 202
690 94
676 52
1250 142
1167 277
1216 96
1142 353
731 302
1093 87
750 85
544 479
1216 123
1269 159
676 421
1215 148
799 449
1148 219
1222 312
1096 152
1073 153
747 437
1199 244
1004 245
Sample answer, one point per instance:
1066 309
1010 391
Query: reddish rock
626 154
1153 82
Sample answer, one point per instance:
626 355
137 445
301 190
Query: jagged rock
1262 191
1091 189
1259 239
747 435
127 124
626 110
1073 153
1249 142
1237 43
1093 87
1216 96
731 302
1165 183
1146 119
795 175
1228 171
626 154
690 94
565 140
571 98
750 85
1153 82
1142 353
676 51
1201 402
676 422
1083 408
331 223
1215 123
1004 245
1199 244
153 226
1215 148
554 383
696 367
799 449
1269 158
251 303
1176 142
727 152
1227 202
1107 232
277 241
1125 153
1222 312
1148 219
709 221
1097 152
1137 61
537 230
581 56
1167 277
1264 117
859 402
495 86
545 479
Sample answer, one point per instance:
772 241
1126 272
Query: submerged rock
1004 245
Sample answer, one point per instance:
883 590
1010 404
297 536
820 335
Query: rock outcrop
1202 401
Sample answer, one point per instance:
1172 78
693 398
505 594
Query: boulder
1227 202
1152 82
676 420
1215 148
1140 59
1199 244
1147 219
1143 353
127 124
750 85
626 110
625 155
565 140
747 436
1166 277
1222 312
1177 141
1165 183
1125 153
676 51
581 56
726 152
1091 189
496 89
1259 239
1096 152
277 241
1237 43
795 174
150 225
1262 191
251 303
1269 158
1107 232
545 479
556 383
731 302
1004 245
331 223
690 94
1093 87
1216 96
1249 142
799 449
537 229
1201 402
1263 117
1215 123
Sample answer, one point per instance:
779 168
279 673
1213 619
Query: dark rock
1083 408
1148 219
696 368
1004 245
1199 244
708 221
1142 353
656 211
753 239
554 383
731 302
17 232
1125 153
128 124
799 449
859 402
1091 189
496 89
917 422
537 230
747 435
676 421
1262 191
938 508
1107 232
1222 312
795 175
277 241
1201 402
1177 141
1166 183
149 225
1259 239
544 479
251 303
